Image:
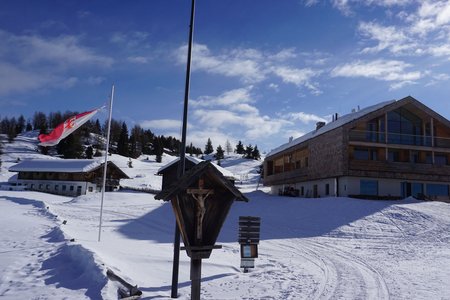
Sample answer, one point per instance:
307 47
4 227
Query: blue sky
262 70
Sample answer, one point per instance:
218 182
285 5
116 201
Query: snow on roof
332 125
56 165
196 161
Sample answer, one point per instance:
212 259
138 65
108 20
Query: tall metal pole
106 161
181 164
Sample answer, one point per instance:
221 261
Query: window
40 186
47 187
393 155
306 161
437 189
368 187
64 187
404 128
56 187
365 154
32 186
90 189
315 191
440 159
361 154
71 188
417 189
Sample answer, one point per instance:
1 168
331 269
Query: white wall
56 187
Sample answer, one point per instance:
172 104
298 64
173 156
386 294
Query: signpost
249 229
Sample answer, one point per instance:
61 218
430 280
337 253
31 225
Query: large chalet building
393 149
69 177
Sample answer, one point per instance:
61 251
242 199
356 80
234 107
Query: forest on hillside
89 140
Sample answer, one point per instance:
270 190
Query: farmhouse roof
60 165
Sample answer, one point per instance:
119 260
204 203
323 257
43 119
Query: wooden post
196 277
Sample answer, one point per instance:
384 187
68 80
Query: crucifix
200 196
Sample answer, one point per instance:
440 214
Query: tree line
89 139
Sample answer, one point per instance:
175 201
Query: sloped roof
190 176
60 165
332 125
196 161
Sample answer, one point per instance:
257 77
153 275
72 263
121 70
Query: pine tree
122 143
219 153
209 147
240 148
70 147
89 152
255 153
248 151
20 124
39 121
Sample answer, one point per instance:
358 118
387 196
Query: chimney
336 116
319 125
291 138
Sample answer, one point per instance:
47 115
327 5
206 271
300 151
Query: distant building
169 171
393 149
71 177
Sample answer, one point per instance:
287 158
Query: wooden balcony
405 170
286 177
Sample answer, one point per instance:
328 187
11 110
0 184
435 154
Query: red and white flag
64 129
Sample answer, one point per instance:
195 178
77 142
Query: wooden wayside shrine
201 200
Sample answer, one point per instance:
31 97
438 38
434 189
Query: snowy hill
328 248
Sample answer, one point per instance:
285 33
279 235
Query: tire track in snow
355 278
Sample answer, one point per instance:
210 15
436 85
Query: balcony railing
397 138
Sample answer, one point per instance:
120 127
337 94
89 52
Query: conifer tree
240 148
122 143
255 153
248 151
89 152
219 153
209 147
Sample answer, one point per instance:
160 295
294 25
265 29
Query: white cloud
388 38
235 100
252 66
63 51
30 62
345 6
299 77
138 59
284 54
163 124
237 63
131 40
386 70
304 117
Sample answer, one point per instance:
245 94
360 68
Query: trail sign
249 234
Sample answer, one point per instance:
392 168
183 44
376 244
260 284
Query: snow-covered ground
328 248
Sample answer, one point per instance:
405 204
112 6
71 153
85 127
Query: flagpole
181 164
106 160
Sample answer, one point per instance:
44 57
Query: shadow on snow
281 217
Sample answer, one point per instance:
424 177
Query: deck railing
397 138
